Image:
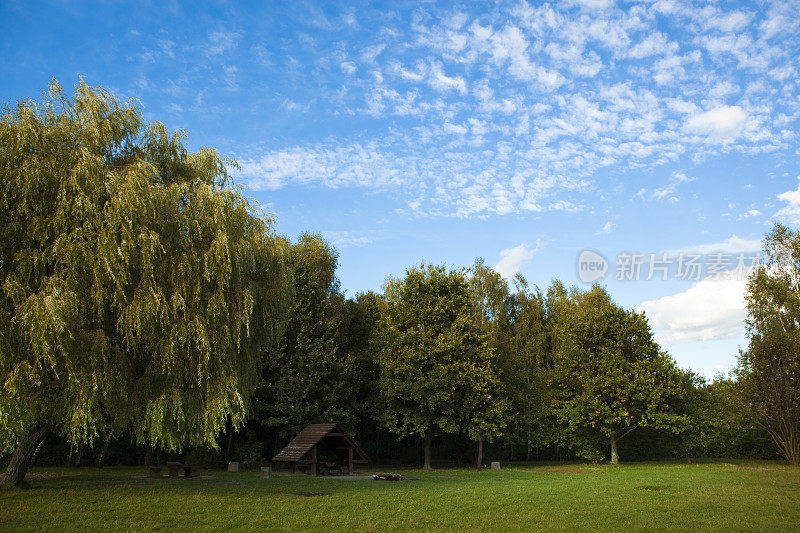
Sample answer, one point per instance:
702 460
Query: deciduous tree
139 291
610 376
769 371
436 365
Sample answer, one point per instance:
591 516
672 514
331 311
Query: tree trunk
528 453
229 428
23 456
36 453
480 454
80 456
148 457
427 462
102 461
614 452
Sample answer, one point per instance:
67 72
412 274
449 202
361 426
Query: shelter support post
350 460
314 461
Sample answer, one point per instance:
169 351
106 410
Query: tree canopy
138 289
437 369
610 376
769 370
319 369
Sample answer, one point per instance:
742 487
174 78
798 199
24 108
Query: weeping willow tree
139 290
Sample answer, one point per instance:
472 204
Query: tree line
148 307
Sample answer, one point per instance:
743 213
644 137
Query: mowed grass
644 496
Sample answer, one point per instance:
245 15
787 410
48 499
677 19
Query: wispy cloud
346 239
440 182
733 245
606 229
512 259
667 191
511 108
220 42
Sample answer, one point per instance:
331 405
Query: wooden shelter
306 442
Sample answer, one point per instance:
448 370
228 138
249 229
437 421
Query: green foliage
437 368
527 369
610 376
715 424
138 290
518 328
769 371
323 369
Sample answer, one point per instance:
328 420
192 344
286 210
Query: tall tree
610 376
139 291
527 368
769 371
436 365
323 369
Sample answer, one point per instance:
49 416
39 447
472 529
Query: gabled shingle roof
334 436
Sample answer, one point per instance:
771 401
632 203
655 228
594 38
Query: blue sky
519 132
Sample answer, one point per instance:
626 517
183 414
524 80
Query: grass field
650 496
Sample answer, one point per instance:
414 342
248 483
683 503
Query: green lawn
719 496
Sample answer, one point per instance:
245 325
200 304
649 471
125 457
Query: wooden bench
155 471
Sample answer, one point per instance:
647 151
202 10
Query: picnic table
324 468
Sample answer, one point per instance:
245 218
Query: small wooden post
350 460
314 461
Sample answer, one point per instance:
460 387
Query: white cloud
791 212
370 53
291 105
733 245
346 239
443 83
220 42
512 259
720 122
713 308
606 229
669 189
521 109
458 129
442 182
594 4
653 44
